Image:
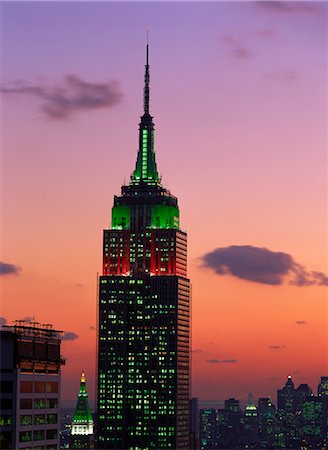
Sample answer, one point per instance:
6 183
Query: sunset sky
239 99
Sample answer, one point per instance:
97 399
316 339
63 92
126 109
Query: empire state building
143 379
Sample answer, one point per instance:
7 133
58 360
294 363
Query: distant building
194 423
300 395
323 387
288 429
323 394
229 424
267 421
251 425
208 428
232 405
286 396
82 432
30 386
312 424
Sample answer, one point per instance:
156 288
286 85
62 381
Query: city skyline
68 141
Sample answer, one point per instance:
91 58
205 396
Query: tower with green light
143 378
82 433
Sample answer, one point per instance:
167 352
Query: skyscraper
82 423
144 313
30 386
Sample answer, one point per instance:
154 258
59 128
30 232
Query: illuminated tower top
82 422
146 169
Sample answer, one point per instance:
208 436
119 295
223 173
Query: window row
38 419
38 403
39 435
39 387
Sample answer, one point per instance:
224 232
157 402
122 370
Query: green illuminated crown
82 413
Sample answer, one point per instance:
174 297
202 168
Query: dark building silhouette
323 394
144 313
323 387
251 425
208 428
287 424
267 422
286 396
311 420
230 424
82 432
194 423
300 395
30 386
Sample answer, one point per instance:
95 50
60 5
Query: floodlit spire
82 422
147 78
82 411
146 169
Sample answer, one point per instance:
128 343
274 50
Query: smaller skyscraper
82 433
312 424
208 430
287 424
251 424
323 394
267 415
30 386
230 424
194 423
323 387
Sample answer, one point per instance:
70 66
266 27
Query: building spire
146 87
146 169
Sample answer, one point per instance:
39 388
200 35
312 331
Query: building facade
30 386
144 313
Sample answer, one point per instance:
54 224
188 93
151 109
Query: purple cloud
70 96
289 7
236 47
69 336
3 321
276 347
8 269
284 74
28 319
301 322
261 265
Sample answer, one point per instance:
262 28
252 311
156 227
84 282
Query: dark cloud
221 361
289 7
305 277
69 336
3 321
28 319
301 322
236 47
8 269
78 285
261 265
92 328
284 74
197 350
71 95
276 347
